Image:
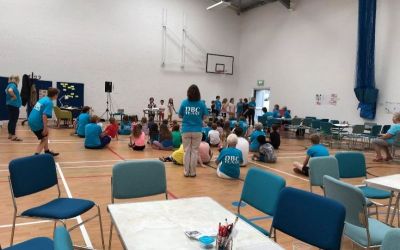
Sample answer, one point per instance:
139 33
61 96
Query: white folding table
392 184
162 225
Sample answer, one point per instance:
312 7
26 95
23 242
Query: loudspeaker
108 87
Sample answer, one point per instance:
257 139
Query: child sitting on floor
275 137
153 130
165 140
176 156
94 136
205 130
254 144
225 133
229 160
243 125
112 129
176 136
266 152
242 145
145 126
125 128
138 138
82 120
316 150
214 138
205 153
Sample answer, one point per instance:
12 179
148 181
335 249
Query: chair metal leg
110 238
101 227
13 228
54 228
389 206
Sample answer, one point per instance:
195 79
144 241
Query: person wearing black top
245 107
275 137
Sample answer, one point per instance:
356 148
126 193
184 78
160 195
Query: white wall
93 41
312 50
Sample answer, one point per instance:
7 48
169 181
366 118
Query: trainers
51 153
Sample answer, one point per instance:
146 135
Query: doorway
262 100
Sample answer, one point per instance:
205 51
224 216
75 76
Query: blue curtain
365 90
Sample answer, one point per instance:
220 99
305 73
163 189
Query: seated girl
266 152
229 160
138 138
254 144
205 153
95 138
176 136
153 130
176 157
82 120
165 140
125 128
145 126
112 129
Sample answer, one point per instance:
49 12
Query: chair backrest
32 174
324 120
138 178
320 166
62 239
351 164
296 121
351 197
57 110
391 241
311 117
311 218
326 127
358 129
316 124
307 122
369 125
261 190
385 129
375 130
334 121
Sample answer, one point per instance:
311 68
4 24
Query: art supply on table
225 235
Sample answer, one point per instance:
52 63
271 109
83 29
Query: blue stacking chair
62 241
352 165
261 191
359 228
320 166
136 179
309 217
315 126
391 240
32 174
385 129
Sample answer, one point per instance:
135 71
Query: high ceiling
245 5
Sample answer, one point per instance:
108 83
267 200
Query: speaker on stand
108 88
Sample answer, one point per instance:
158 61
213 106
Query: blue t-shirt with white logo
192 114
230 159
13 102
43 107
317 150
254 144
244 126
83 120
218 105
92 135
393 130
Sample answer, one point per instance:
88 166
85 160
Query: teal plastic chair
352 165
62 241
391 240
359 228
261 190
321 166
373 134
315 126
136 179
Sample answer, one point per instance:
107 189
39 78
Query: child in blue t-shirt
218 105
82 120
207 129
266 113
94 136
243 125
275 112
316 150
254 144
229 160
38 118
126 126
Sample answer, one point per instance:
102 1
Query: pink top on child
204 152
139 141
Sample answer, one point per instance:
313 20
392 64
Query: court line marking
78 218
279 171
26 223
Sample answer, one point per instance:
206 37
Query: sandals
15 139
378 160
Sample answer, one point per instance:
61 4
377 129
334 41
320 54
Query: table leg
396 208
389 206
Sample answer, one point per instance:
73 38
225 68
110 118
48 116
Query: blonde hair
258 126
14 79
396 116
232 140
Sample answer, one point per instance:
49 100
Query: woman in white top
242 145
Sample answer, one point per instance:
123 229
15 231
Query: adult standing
251 111
13 102
192 111
239 109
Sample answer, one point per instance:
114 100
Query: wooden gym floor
86 174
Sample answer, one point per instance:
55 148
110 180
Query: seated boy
316 150
213 137
266 152
275 137
95 138
112 129
385 141
229 160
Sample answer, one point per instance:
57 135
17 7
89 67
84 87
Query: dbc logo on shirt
231 159
192 110
37 106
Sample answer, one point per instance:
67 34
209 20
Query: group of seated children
277 112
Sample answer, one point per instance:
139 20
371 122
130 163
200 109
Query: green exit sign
260 82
